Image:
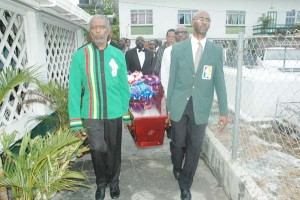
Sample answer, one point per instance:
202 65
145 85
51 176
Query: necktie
198 56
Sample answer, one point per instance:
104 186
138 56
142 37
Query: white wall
165 14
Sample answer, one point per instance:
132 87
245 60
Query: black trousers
187 138
105 138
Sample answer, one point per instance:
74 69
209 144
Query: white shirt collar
142 50
195 41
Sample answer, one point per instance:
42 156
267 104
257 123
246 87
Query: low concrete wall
236 183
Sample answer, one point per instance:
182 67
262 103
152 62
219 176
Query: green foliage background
108 8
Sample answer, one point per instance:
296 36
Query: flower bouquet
142 89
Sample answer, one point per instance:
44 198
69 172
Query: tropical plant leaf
54 96
11 77
43 166
7 140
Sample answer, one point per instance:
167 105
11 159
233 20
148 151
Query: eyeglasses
98 27
181 32
202 19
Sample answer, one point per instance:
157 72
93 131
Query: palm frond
42 167
54 96
11 77
7 140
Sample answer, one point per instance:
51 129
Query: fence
32 37
263 133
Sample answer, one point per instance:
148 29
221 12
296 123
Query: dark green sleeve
74 101
172 77
124 87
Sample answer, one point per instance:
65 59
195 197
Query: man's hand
222 123
168 120
81 134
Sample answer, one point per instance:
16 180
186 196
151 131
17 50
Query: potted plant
265 21
56 98
296 30
10 78
52 153
41 168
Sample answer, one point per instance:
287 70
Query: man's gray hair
181 26
98 17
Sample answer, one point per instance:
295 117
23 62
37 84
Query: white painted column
36 50
80 37
36 53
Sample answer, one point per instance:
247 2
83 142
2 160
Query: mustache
100 40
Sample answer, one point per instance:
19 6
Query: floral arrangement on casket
142 89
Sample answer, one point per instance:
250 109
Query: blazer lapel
206 52
188 54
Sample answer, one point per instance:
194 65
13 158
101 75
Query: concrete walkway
146 174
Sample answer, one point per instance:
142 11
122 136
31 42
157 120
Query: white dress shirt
141 55
195 45
165 68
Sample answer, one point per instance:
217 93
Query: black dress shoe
114 192
100 193
185 194
176 173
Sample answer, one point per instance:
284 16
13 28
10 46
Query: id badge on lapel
207 72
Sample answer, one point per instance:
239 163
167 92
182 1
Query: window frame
240 17
297 17
141 17
290 18
187 16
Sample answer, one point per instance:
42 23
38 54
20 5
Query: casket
148 125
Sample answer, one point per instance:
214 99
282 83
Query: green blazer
184 83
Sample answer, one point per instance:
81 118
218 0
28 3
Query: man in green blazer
100 69
196 71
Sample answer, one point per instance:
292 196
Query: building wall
165 14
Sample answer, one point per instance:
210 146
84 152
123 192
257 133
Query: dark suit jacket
185 83
112 43
133 63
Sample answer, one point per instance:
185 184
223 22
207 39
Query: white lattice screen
13 53
60 46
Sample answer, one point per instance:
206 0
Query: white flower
114 67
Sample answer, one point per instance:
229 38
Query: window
297 20
141 17
235 17
186 16
290 18
83 1
273 15
96 1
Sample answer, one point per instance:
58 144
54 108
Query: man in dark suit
111 42
196 71
140 58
